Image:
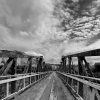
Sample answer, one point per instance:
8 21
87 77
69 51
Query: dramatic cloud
51 28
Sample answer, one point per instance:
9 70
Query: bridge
34 79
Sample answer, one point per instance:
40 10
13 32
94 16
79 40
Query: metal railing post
30 80
34 78
7 90
72 83
77 87
24 82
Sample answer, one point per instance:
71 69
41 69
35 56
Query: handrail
37 76
92 84
6 76
18 78
92 78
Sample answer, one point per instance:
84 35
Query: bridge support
40 64
69 64
9 68
81 72
30 65
84 82
88 67
64 64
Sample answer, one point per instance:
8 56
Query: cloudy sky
51 28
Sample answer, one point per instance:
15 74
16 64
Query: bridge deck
50 88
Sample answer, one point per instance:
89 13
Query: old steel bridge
34 79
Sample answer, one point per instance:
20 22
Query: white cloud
30 26
24 33
32 53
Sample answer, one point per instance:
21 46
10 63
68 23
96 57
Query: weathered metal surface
40 64
95 52
87 87
90 93
89 90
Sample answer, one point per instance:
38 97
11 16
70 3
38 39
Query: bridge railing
83 78
3 77
86 77
15 84
82 87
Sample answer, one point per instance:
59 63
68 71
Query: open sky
51 28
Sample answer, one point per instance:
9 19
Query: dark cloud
45 26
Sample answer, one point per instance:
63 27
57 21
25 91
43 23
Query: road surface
50 88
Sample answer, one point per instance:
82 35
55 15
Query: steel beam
95 52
